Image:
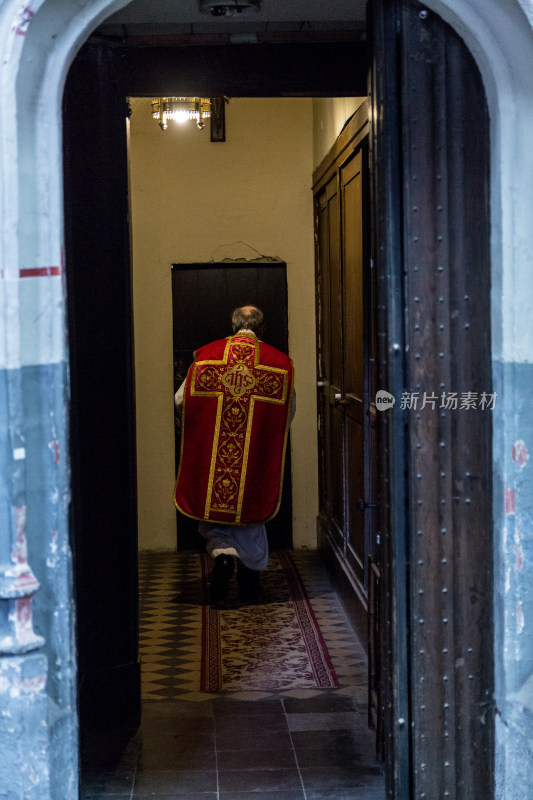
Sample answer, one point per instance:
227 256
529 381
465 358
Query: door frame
107 63
403 762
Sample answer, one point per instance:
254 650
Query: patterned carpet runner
274 645
191 652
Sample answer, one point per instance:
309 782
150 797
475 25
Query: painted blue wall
513 481
47 499
38 727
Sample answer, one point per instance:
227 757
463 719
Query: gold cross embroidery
237 381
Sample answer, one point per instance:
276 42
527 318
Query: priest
236 405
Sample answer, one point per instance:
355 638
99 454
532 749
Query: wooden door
360 417
348 438
345 353
331 446
102 414
203 298
431 164
356 401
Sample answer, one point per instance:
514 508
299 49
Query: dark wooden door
203 297
357 398
361 477
347 384
330 369
431 164
102 417
345 354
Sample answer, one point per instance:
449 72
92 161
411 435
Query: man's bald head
249 318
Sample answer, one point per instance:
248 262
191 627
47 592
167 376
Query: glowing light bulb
181 116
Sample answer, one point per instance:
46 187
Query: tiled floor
292 745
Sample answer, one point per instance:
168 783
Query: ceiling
183 17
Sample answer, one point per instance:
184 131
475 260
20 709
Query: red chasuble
235 419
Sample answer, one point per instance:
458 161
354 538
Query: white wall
191 199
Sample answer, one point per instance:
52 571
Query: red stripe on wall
39 272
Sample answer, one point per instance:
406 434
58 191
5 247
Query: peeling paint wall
514 590
197 200
24 731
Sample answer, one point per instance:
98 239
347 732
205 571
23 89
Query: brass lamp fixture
181 109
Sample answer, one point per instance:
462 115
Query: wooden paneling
344 354
353 323
335 287
355 313
356 554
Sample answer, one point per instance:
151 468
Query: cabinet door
347 379
330 361
345 356
354 397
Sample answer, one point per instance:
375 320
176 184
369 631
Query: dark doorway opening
100 316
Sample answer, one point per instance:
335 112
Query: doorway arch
38 45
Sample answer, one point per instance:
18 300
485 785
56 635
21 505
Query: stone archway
38 732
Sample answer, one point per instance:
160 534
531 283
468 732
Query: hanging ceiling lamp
181 109
228 8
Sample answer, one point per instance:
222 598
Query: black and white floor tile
305 745
172 593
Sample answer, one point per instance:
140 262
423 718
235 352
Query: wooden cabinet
346 356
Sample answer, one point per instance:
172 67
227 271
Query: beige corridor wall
329 117
191 200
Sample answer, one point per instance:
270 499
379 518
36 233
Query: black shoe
222 571
250 590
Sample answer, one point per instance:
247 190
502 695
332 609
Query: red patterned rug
274 645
